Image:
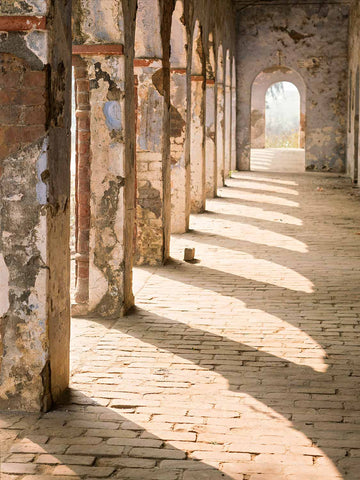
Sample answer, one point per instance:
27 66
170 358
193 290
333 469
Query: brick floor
243 365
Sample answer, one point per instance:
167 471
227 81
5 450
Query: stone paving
242 365
289 160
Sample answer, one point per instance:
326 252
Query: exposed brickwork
82 194
22 104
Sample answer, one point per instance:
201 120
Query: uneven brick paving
242 365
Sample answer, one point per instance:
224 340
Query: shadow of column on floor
82 439
294 388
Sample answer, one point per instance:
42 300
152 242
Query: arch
220 64
197 57
178 39
260 86
210 60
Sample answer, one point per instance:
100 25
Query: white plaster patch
98 286
117 159
41 187
37 303
41 238
15 197
37 42
4 287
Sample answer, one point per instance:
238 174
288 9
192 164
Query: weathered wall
353 93
35 86
99 38
312 40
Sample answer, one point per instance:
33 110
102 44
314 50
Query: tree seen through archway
282 116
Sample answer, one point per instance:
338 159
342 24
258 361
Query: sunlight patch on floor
231 195
251 234
257 213
240 183
233 319
278 160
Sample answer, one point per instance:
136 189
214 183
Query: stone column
197 146
220 132
211 170
35 87
233 129
180 165
100 45
106 77
227 133
153 172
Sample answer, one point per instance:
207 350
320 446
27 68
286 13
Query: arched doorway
278 103
282 116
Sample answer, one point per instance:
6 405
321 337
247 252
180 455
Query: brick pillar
82 188
197 146
179 155
152 158
35 119
220 133
211 177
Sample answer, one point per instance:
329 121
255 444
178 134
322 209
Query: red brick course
17 23
105 49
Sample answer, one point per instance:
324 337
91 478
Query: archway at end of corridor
278 103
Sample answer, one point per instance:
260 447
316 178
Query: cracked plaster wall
34 210
312 40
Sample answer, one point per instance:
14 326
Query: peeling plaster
37 42
16 44
24 7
